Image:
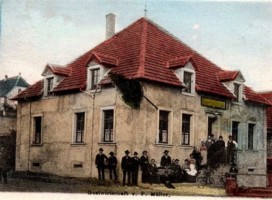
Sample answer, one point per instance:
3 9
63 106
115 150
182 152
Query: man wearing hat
230 150
126 164
112 162
135 168
100 160
144 161
165 159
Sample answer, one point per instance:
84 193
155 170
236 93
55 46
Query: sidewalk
54 184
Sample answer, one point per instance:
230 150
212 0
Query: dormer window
236 91
95 77
48 87
95 74
187 80
187 76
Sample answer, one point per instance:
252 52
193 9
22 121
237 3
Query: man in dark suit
112 163
153 170
100 160
135 168
126 167
165 159
144 161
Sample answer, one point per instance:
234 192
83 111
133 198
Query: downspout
92 124
29 138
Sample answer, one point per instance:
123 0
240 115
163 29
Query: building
9 88
141 89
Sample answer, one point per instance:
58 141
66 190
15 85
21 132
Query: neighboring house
9 88
78 108
268 96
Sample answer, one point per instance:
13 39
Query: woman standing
203 152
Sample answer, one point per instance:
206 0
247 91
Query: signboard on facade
213 103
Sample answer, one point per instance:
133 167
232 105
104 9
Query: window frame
253 133
48 90
180 73
238 131
170 127
34 131
102 124
182 129
108 120
75 129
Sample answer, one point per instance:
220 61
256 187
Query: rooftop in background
7 84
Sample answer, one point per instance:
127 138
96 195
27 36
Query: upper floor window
37 127
95 76
80 125
163 126
108 116
187 80
186 129
49 86
250 136
236 91
187 76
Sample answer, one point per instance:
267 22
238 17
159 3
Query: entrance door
211 121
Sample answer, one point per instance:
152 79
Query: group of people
210 153
130 166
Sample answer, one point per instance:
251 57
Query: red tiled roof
33 91
178 62
268 96
142 51
103 59
63 71
254 96
227 75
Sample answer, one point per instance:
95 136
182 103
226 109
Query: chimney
110 25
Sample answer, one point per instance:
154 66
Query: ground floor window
108 116
163 126
250 136
37 130
80 125
235 130
186 129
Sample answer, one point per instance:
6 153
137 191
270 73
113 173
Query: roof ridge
141 68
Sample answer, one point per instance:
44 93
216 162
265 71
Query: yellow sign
213 103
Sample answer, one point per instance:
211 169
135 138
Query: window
186 129
49 86
108 125
37 130
95 75
236 92
250 136
187 80
80 123
163 126
235 128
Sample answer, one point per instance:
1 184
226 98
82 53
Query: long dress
203 151
192 171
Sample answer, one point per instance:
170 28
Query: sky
235 35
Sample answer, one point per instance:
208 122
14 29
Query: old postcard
135 99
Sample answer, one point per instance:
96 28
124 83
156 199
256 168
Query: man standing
126 167
112 162
144 161
135 168
165 159
3 163
230 150
100 160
